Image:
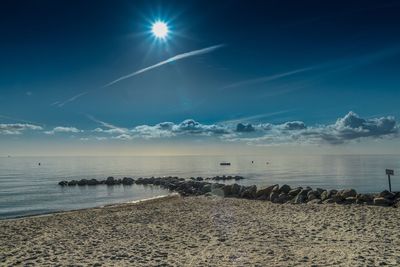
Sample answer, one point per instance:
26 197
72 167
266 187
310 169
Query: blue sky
330 66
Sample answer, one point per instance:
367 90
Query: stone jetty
274 193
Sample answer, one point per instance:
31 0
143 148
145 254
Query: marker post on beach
388 173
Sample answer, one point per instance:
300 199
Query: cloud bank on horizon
349 128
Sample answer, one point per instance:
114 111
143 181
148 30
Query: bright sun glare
160 29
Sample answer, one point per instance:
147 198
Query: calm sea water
27 188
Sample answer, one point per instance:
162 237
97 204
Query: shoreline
47 214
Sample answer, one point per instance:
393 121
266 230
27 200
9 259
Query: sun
160 29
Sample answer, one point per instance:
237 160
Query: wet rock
274 196
283 198
63 183
110 181
381 201
300 198
72 183
264 194
350 200
249 192
127 181
324 195
332 192
206 188
92 182
348 193
295 192
364 198
386 194
338 198
275 188
285 189
312 195
82 182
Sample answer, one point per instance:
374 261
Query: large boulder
348 193
300 198
110 181
295 192
263 194
312 195
350 200
63 183
364 198
274 196
249 192
338 198
381 201
276 188
386 194
228 190
72 183
129 181
236 190
92 182
284 189
324 195
206 189
82 182
283 198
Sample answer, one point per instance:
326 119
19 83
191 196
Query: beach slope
206 231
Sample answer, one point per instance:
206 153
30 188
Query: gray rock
63 183
350 200
283 198
311 196
364 198
300 198
348 193
92 182
324 195
110 181
264 193
386 194
295 192
249 192
127 181
276 188
82 182
338 198
332 192
72 183
381 201
274 196
284 189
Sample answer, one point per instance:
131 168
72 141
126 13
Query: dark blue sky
312 61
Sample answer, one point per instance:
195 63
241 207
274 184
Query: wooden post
390 184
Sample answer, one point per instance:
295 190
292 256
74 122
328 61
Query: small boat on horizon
225 164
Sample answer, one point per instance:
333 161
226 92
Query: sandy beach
206 231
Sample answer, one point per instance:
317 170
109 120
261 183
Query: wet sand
206 231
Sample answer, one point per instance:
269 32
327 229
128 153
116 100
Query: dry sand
206 231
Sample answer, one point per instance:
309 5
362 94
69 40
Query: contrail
69 100
267 78
169 60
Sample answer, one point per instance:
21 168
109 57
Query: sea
27 188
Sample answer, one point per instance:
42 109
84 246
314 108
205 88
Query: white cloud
350 127
17 128
62 129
